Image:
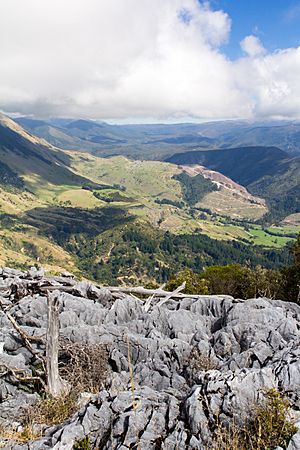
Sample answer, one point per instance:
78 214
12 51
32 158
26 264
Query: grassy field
273 236
144 179
26 248
225 202
79 198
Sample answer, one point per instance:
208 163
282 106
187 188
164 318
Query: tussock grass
51 410
11 435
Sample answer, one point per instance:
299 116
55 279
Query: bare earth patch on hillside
231 199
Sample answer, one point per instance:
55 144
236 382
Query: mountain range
160 141
142 201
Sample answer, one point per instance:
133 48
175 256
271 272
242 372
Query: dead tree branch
172 294
27 339
21 379
56 386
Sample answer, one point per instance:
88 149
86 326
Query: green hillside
98 216
36 162
265 171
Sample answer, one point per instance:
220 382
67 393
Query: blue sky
275 22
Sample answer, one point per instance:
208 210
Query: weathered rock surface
244 348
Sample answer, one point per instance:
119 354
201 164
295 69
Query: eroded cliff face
195 361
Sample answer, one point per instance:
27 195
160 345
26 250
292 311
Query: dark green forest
195 188
109 245
243 281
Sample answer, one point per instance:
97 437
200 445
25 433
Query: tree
291 275
233 279
195 284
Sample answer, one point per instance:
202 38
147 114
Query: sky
151 60
275 22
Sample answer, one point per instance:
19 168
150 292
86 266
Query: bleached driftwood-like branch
128 290
27 339
22 379
55 384
165 298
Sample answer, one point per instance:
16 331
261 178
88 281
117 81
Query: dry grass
51 411
198 361
11 435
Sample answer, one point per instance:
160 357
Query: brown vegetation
84 367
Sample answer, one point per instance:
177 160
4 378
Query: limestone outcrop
193 360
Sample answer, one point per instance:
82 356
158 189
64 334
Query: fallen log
128 290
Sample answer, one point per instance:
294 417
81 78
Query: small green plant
82 444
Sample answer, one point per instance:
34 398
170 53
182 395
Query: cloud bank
122 59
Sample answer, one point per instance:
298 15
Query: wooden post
56 386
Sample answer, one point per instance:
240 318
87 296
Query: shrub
269 427
195 284
231 280
84 367
198 361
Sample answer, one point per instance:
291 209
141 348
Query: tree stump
56 386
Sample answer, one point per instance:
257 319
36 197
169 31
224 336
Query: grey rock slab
294 443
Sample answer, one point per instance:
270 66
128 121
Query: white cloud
252 46
117 59
272 82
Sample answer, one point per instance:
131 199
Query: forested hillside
265 171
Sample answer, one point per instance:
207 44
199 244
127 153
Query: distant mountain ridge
160 141
244 165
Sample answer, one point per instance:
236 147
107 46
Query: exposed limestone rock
243 348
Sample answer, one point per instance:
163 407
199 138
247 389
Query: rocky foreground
194 361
